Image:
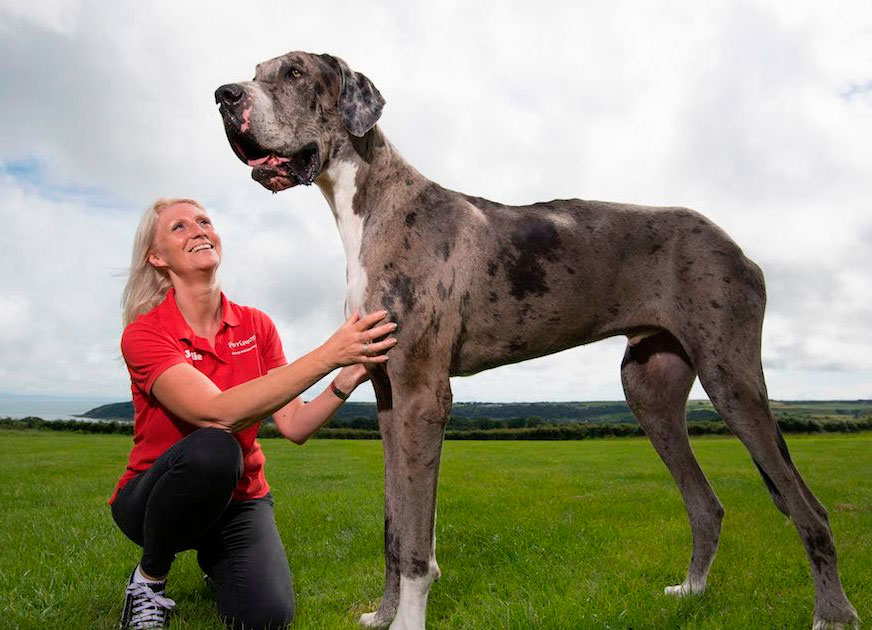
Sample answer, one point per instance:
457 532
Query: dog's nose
229 94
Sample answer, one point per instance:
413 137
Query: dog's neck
344 183
372 153
355 197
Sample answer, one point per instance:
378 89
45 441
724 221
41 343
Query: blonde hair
147 285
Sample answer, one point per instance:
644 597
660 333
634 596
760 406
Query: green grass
530 534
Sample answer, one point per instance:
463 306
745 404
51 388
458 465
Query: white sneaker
145 606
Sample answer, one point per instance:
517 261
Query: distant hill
112 411
545 411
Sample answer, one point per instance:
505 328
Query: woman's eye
177 226
205 222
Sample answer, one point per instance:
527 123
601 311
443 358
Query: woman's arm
297 421
189 394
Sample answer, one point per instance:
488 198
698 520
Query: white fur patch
562 220
338 186
434 567
476 212
686 588
412 611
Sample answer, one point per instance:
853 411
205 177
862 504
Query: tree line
482 429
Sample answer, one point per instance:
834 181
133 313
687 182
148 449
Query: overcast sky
758 114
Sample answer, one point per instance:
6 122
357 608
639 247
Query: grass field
530 534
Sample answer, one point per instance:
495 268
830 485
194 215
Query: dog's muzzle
272 169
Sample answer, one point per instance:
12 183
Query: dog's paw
373 620
825 624
685 589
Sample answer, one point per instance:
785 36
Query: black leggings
183 501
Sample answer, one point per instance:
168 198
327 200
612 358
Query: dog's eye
294 73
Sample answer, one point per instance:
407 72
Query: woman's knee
213 454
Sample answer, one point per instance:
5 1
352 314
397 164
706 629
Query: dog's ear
360 103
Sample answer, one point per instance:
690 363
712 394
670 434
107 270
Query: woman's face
185 241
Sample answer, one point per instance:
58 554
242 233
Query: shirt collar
172 317
228 312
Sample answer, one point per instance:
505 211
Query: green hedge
568 431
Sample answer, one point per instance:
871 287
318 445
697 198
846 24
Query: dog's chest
339 190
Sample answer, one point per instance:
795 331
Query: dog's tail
777 497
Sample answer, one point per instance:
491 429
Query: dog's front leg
387 610
412 433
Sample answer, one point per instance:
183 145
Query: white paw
412 610
372 620
685 589
823 624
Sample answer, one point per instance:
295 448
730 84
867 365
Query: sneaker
145 606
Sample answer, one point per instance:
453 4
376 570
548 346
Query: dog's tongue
269 160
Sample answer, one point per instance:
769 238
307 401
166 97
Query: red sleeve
148 352
271 349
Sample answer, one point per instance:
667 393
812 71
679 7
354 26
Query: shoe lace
149 608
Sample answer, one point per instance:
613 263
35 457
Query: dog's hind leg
657 376
743 404
732 374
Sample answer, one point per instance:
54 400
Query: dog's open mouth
273 171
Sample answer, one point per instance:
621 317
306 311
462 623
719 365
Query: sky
757 114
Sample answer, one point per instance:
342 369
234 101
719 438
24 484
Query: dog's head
284 122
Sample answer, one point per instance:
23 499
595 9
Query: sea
48 407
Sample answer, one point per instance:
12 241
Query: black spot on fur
715 304
392 545
492 268
535 240
441 291
444 249
420 567
782 446
401 289
411 218
820 549
516 345
492 297
319 88
779 501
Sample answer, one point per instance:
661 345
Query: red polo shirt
246 346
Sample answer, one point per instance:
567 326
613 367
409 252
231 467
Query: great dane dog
474 284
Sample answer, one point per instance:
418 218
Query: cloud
753 113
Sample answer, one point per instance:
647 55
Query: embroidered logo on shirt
194 356
241 347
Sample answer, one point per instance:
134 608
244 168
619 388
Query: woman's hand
354 342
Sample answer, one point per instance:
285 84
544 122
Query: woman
204 372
